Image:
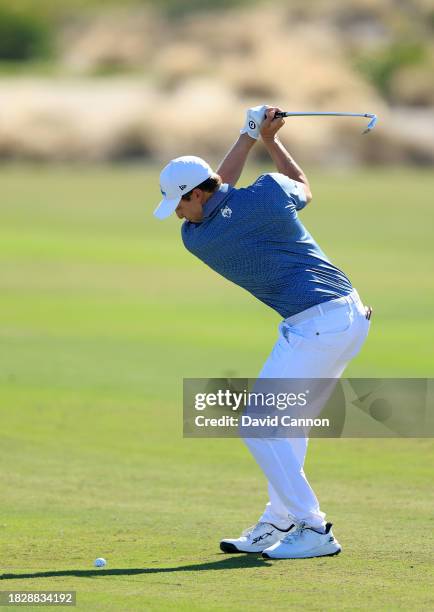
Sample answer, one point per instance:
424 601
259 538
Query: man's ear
198 193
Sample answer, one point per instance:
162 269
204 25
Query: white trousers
318 347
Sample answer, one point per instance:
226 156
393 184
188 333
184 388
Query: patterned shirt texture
253 237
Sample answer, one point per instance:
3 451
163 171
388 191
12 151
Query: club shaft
370 116
303 114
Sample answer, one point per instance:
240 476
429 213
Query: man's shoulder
259 189
275 188
263 178
270 180
267 184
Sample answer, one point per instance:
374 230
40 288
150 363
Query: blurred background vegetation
84 79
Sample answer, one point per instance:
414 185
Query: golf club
371 116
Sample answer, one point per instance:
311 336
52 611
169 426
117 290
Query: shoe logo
226 212
261 537
182 187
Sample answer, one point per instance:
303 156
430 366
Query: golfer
253 236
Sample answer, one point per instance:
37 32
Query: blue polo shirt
254 238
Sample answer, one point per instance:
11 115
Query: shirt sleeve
294 190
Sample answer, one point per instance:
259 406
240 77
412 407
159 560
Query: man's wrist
270 140
247 140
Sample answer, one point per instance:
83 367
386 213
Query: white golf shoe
304 542
255 539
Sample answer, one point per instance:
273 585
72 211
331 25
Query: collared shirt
254 237
216 200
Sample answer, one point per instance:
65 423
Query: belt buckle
368 312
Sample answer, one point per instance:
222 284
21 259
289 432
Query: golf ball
100 562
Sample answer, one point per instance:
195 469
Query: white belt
321 309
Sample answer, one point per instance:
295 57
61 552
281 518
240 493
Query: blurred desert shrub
176 77
116 42
175 8
382 66
80 120
23 36
411 86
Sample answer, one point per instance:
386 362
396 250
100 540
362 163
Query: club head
371 124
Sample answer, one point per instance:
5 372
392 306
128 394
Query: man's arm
280 156
232 165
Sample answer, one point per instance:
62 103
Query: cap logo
182 187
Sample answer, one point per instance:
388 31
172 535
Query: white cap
180 176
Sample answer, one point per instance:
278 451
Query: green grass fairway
102 314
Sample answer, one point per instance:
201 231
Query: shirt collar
216 200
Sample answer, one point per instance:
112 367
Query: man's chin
194 219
